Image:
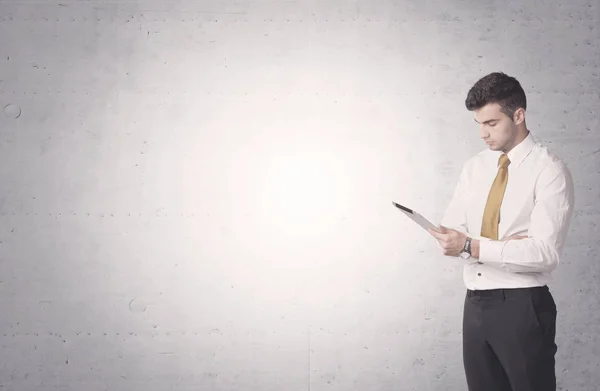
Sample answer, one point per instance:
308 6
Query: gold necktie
491 215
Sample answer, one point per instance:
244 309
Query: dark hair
498 88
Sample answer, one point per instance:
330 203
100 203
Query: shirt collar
521 150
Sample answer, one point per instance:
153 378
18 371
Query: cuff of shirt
490 251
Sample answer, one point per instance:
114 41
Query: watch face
465 255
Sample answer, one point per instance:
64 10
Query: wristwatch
466 251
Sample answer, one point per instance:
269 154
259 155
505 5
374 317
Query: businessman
508 220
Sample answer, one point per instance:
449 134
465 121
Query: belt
501 293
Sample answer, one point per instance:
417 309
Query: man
508 219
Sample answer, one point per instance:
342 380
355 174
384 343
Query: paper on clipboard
416 217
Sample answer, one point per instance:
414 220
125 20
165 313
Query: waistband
500 293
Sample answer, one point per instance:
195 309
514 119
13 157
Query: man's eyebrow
489 120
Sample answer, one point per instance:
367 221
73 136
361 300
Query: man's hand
452 241
514 237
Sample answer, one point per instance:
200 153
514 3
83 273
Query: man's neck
522 135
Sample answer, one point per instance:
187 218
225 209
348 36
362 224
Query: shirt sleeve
455 214
550 220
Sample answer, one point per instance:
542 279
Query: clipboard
416 217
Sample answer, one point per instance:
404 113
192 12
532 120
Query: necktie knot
503 162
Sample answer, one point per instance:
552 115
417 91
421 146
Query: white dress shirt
538 203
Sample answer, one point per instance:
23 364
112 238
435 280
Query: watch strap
467 247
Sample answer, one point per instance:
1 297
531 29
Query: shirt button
479 274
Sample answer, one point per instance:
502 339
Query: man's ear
519 116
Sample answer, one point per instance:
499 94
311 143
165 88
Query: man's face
496 128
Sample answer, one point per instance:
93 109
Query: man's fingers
437 235
515 237
518 237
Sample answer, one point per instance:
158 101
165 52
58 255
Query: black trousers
508 339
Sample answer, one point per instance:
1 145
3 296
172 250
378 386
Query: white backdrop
197 195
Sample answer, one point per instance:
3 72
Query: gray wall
197 195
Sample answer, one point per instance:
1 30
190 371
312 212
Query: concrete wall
196 195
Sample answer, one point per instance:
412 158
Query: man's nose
482 132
